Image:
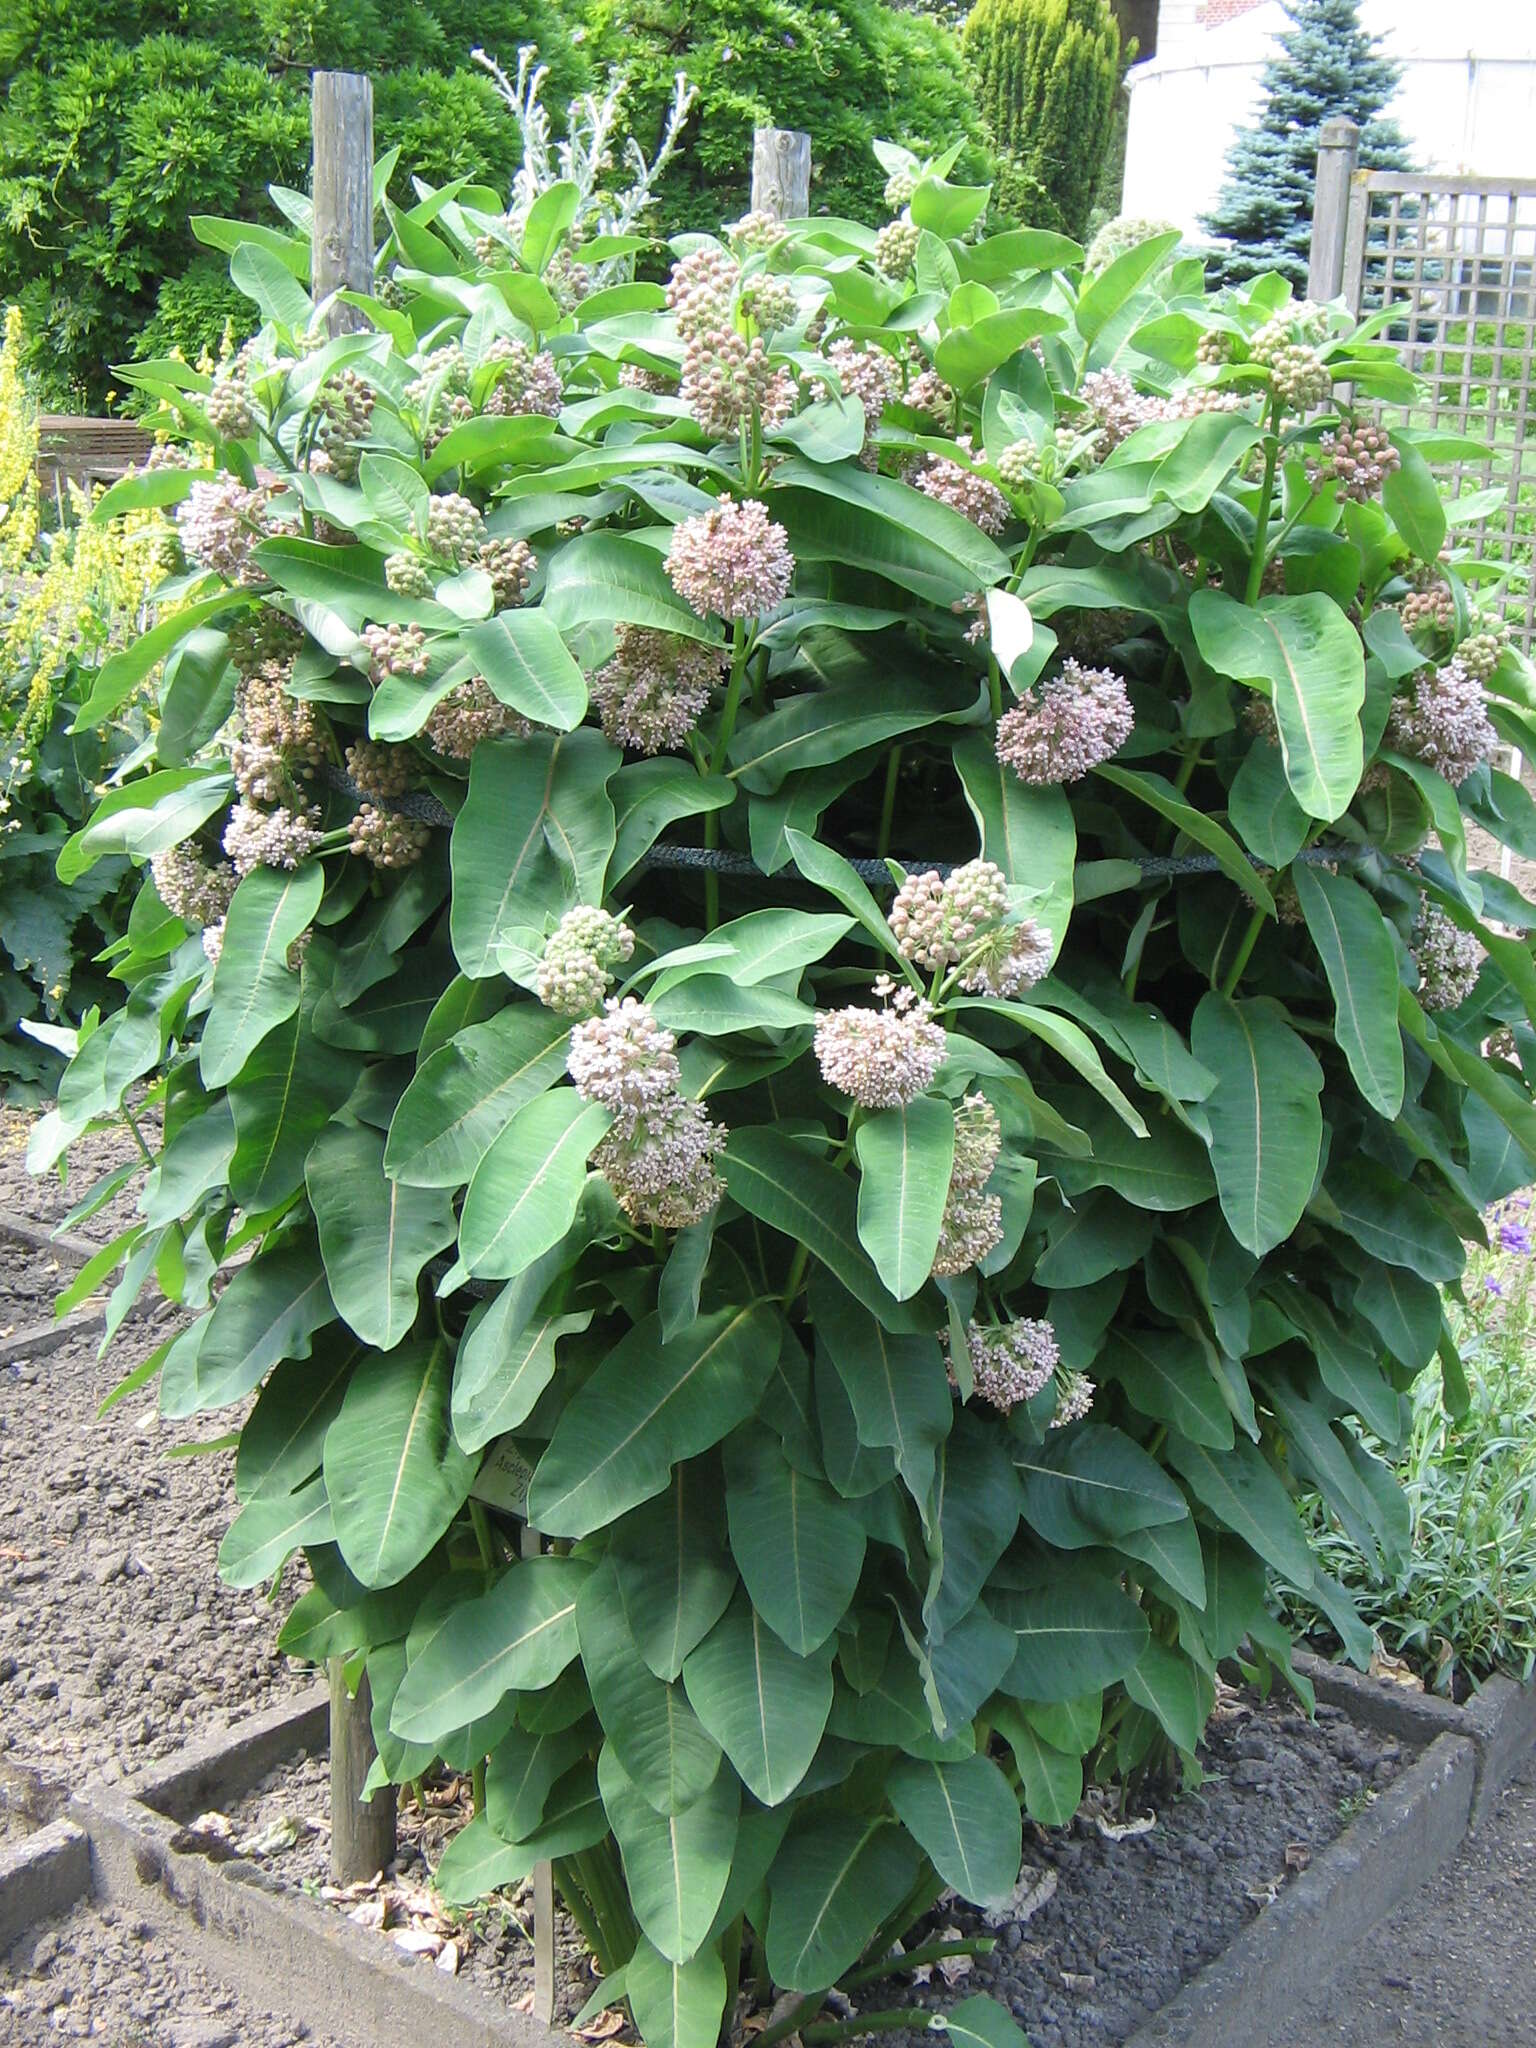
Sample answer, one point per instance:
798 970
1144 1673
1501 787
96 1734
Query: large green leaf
676 2005
1174 1689
674 1571
521 1772
498 1377
1243 1491
523 1195
1391 1219
666 1751
814 730
287 1091
832 1884
1076 1635
675 1864
611 576
1028 832
905 1155
798 1547
764 1705
376 1234
521 655
647 1406
284 1434
1306 655
878 523
1261 808
966 1819
648 796
1165 1374
1265 1116
270 1528
518 1636
1359 959
395 1477
1160 795
254 988
533 837
1092 1486
269 1311
466 1093
789 1188
896 1385
1053 1778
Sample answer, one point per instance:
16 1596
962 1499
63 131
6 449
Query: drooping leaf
394 1475
676 1865
832 1884
798 1547
520 1635
254 988
1265 1115
966 1819
523 1194
376 1235
905 1155
765 1705
1355 947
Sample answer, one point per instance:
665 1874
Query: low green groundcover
813 931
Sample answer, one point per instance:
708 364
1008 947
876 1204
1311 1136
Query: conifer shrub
810 931
1047 73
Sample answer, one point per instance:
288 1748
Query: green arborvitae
1326 65
1047 72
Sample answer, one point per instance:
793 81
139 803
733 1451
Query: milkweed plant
809 930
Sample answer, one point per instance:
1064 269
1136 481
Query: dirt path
1456 1967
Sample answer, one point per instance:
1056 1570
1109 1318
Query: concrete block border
1499 1720
41 1874
285 1952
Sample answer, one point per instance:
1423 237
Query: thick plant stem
577 1904
477 1786
1266 499
730 1955
723 737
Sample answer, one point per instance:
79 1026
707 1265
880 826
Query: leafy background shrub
124 120
915 1314
70 592
844 75
1047 77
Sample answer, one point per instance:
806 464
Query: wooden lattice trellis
1455 260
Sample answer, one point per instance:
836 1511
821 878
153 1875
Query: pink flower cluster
659 1155
1444 723
654 690
973 1219
1010 1362
885 1057
1077 719
732 562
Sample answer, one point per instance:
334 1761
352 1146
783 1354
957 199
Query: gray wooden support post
781 173
543 1890
362 1832
1338 151
341 239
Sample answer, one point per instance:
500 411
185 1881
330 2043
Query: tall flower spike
1078 719
732 561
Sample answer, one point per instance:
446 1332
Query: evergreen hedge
1047 77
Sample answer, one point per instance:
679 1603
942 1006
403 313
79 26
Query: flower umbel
576 971
882 1058
1078 719
732 561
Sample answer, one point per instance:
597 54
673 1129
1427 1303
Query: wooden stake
1338 151
781 173
341 239
362 1833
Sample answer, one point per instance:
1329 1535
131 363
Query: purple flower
1514 1237
1491 1286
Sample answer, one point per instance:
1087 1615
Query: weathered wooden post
341 240
781 173
1338 151
362 1832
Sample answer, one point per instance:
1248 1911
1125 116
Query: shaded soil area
1127 1921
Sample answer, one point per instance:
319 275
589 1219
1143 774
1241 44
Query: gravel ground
1130 1920
1456 1965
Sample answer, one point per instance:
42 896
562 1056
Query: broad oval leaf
462 1097
764 1705
524 1193
1265 1116
254 988
798 1547
966 1819
832 1884
676 1865
519 1636
905 1155
376 1235
395 1477
1358 957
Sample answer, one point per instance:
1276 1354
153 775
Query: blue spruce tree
1326 64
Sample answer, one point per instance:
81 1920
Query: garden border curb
43 1874
1499 1720
286 1953
1246 1997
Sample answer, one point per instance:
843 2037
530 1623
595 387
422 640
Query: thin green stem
1250 939
481 1522
995 687
577 1904
1187 767
477 1784
888 803
893 2022
792 2020
730 1956
740 649
1266 500
138 1135
930 1952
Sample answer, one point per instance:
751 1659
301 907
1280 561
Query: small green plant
1462 1601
